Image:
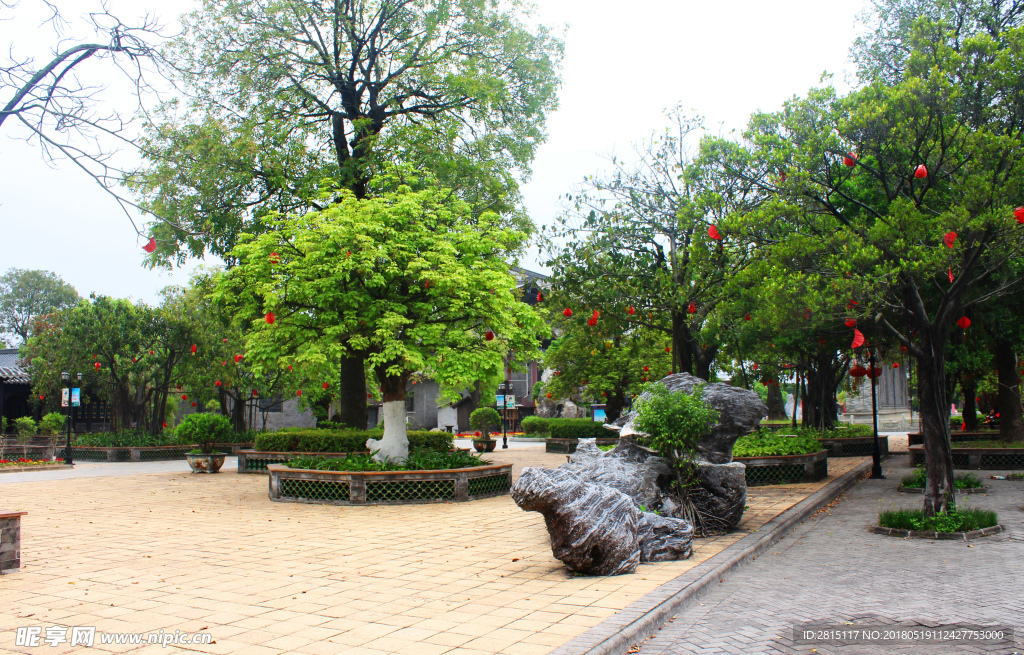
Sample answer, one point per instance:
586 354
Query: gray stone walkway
832 570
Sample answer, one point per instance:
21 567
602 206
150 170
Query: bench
10 541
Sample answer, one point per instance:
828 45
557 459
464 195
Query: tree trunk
352 391
613 408
238 413
682 358
1011 423
796 397
776 403
969 388
939 489
394 445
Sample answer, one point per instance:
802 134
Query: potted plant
205 430
484 419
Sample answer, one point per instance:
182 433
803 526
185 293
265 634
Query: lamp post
876 453
66 380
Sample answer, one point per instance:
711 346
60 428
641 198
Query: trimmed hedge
342 441
578 428
534 425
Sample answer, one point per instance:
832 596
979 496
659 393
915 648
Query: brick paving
831 570
140 553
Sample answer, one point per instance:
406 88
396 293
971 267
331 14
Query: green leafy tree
26 295
411 280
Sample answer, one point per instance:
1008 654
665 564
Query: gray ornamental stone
740 412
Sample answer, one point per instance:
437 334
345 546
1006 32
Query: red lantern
150 247
254 392
558 372
857 371
713 233
97 365
567 312
41 397
591 321
299 393
963 322
274 258
597 314
850 322
631 311
549 395
950 238
224 363
238 358
193 349
326 385
754 366
217 383
135 360
874 372
921 171
289 367
270 318
1018 213
850 159
903 348
540 297
858 339
747 316
224 340
644 379
646 368
489 335
895 364
668 349
184 396
165 425
193 404
426 285
692 308
822 341
150 352
950 273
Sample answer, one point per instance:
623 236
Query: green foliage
204 429
958 520
769 444
28 295
3 425
988 443
578 428
342 441
126 439
51 424
674 422
535 425
484 419
419 460
918 478
25 427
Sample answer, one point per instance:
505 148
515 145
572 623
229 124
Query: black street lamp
876 453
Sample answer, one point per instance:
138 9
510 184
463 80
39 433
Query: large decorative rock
740 412
596 529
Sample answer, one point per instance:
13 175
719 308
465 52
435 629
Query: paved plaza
831 570
170 550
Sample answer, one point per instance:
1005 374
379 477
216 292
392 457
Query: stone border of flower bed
256 461
815 467
976 458
836 447
945 536
48 466
10 541
568 446
920 490
917 439
373 487
144 453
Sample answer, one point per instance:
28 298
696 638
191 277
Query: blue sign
76 397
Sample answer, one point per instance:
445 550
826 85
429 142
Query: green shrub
535 425
419 460
342 441
917 479
25 427
3 425
958 520
205 430
125 439
52 424
768 444
578 428
484 419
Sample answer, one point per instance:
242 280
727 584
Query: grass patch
958 520
916 480
1015 476
769 444
988 443
419 460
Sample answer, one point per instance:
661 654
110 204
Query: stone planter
256 461
388 487
916 438
785 469
977 458
10 541
568 446
484 445
205 463
855 446
954 536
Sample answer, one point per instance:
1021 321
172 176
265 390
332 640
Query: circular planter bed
257 461
15 466
785 469
855 446
954 536
388 487
976 458
205 462
568 446
916 438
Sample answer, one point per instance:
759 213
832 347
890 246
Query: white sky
625 64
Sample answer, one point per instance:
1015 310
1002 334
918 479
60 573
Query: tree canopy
27 295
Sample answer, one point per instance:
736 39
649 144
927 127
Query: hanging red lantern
558 372
193 404
135 360
426 284
874 372
950 238
254 392
224 363
289 368
692 308
184 396
591 321
270 318
950 273
850 322
217 383
668 349
165 424
193 349
921 171
41 397
97 365
540 297
549 395
150 247
299 393
857 371
489 335
895 364
782 177
747 316
150 352
807 314
597 314
850 159
858 339
713 233
754 366
1018 213
903 348
604 393
238 358
822 341
963 322
631 311
274 258
326 385
646 368
224 340
644 379
567 312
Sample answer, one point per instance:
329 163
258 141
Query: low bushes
205 430
342 441
52 424
916 480
534 425
578 428
769 444
419 460
988 443
958 520
25 427
125 439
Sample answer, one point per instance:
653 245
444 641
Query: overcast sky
625 64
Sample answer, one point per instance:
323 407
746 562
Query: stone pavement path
832 570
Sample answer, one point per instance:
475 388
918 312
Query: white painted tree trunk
395 443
